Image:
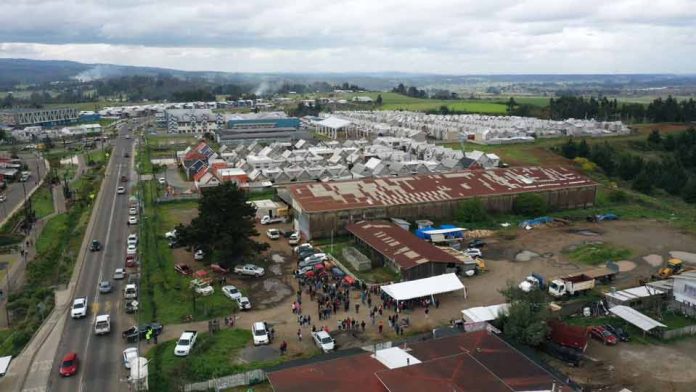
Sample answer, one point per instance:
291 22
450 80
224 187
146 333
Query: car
316 256
260 333
303 270
162 180
185 343
129 354
306 253
231 292
133 333
602 334
183 269
119 273
121 190
324 341
477 243
127 136
131 262
133 211
249 269
69 365
202 287
105 287
618 332
95 246
243 303
294 238
131 250
133 239
473 252
300 248
3 198
170 235
217 268
310 262
102 324
267 220
199 255
273 234
132 220
124 179
126 155
79 308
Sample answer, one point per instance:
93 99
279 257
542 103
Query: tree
473 211
689 191
224 226
583 149
529 204
511 105
527 315
570 149
378 101
655 137
643 182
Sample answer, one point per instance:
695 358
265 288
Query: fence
683 331
235 380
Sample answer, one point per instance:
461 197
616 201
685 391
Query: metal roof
636 318
399 245
430 188
634 293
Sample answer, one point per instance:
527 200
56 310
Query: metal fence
251 377
683 331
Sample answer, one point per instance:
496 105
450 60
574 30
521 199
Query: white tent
484 313
424 287
636 318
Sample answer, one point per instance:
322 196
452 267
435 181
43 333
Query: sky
424 36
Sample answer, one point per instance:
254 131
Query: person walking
357 308
283 347
299 334
381 325
362 324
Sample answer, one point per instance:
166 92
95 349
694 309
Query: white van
102 325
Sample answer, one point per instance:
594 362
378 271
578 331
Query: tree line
410 91
601 108
674 169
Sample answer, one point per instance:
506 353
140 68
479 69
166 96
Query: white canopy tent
636 318
424 287
484 313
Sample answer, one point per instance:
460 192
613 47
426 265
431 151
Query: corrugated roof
636 318
635 292
398 244
429 188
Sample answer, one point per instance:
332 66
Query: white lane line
101 268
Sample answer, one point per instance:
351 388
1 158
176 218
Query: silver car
105 287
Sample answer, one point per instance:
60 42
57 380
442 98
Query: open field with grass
595 254
42 201
393 101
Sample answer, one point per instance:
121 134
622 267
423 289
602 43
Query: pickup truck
79 308
249 269
102 324
324 341
267 220
531 282
185 343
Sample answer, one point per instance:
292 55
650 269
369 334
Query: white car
244 303
120 190
102 324
162 180
79 308
202 288
185 343
260 333
473 252
132 220
249 269
199 255
273 234
300 248
131 250
294 238
133 239
3 198
133 211
324 341
119 273
128 354
231 292
170 235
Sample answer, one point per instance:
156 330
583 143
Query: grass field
595 254
393 101
42 202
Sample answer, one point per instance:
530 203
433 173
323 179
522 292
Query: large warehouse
45 117
323 209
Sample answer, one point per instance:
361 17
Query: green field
393 101
42 202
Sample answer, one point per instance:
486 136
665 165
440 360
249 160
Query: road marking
107 307
114 195
95 309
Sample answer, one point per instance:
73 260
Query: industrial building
387 244
323 209
474 361
45 117
266 127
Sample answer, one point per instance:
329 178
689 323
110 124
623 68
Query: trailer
568 335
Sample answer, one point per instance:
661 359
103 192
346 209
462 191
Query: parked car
133 239
199 255
132 220
183 269
301 247
131 250
162 180
105 287
119 273
121 190
602 334
273 234
185 343
231 292
306 253
134 333
618 332
128 354
131 262
3 198
323 340
133 211
131 306
249 269
95 246
267 220
260 333
473 252
202 287
310 262
219 269
477 243
243 303
294 239
69 365
170 235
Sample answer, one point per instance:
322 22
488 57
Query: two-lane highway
101 368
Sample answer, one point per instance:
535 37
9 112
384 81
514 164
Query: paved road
101 366
15 190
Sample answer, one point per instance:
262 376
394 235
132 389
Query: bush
473 211
618 196
529 204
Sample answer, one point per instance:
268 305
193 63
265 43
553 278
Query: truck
130 291
185 343
324 341
571 285
532 282
604 274
267 220
102 324
568 335
79 308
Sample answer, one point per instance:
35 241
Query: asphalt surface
100 357
15 190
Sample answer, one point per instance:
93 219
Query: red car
220 270
183 269
130 261
69 365
602 334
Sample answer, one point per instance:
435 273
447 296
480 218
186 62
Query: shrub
529 204
618 196
473 211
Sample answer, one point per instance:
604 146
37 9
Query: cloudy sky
432 36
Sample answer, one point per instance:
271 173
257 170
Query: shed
636 318
269 208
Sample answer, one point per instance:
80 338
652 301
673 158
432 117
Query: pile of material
473 234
